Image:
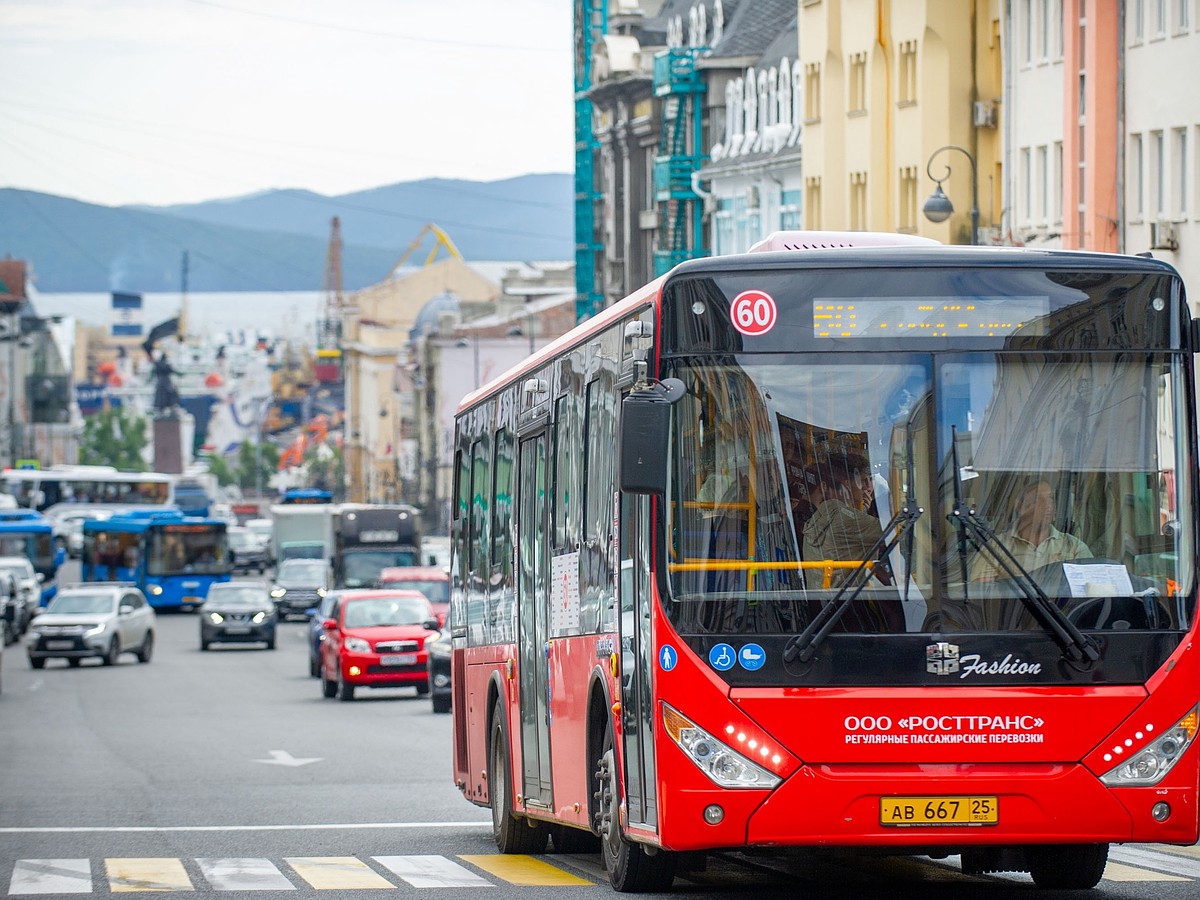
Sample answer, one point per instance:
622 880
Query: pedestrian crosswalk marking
146 874
524 870
237 874
337 873
51 876
431 871
1117 872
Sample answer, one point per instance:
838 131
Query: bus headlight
1151 764
156 589
720 762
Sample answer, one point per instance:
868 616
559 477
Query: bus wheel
1067 868
632 868
513 834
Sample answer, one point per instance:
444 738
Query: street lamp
938 207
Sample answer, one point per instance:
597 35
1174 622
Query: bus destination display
931 317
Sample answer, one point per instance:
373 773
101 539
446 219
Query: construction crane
329 337
441 242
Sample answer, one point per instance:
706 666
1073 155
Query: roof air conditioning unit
1163 235
985 114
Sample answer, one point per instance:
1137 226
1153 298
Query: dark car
247 550
377 639
299 586
316 632
439 671
238 612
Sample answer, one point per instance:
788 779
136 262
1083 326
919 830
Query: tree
219 466
115 438
326 468
246 470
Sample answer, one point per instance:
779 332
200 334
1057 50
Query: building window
1179 167
785 92
1137 24
1137 169
858 83
1058 182
1160 18
812 92
908 72
791 210
1044 29
1183 16
1027 30
1026 176
908 198
723 227
812 191
1058 29
858 201
1043 189
1158 175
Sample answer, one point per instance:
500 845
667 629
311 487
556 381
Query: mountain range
279 240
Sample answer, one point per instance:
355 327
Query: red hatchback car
377 638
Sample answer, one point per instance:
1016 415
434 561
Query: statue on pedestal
166 397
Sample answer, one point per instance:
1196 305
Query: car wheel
422 689
114 652
441 703
345 689
10 633
147 649
37 662
204 644
74 662
328 688
314 667
271 642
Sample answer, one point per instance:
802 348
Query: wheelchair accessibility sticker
722 658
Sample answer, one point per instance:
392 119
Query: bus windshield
190 549
361 568
37 547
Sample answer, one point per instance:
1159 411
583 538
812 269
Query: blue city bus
24 532
173 558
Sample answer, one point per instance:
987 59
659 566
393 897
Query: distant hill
278 240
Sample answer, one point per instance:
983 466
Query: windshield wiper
805 644
1075 645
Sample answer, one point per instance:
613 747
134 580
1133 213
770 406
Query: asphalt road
226 772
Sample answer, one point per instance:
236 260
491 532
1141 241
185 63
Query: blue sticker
667 657
721 657
752 656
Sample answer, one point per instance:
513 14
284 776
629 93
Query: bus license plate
939 811
398 659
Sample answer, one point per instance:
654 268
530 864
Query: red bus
858 541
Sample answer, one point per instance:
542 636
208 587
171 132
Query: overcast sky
175 101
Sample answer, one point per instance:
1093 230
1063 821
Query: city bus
172 558
369 538
26 533
57 487
306 496
756 539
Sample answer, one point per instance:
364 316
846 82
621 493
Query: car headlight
321 592
357 645
277 592
258 617
216 618
1151 764
721 763
96 630
155 589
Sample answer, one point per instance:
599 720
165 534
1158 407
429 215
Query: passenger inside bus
1032 538
841 529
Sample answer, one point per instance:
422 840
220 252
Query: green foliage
220 469
326 468
114 437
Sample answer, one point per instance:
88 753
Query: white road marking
283 758
431 871
51 876
1153 859
227 874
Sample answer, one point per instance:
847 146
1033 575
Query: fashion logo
941 658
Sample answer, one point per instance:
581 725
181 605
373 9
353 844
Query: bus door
637 662
533 638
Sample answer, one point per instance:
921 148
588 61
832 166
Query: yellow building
888 86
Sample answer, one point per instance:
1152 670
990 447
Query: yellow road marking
1117 872
146 874
332 873
524 870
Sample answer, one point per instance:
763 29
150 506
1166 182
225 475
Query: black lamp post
938 207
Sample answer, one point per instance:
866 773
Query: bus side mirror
643 460
60 556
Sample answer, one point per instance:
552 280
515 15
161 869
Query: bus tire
1068 867
632 868
113 653
147 649
513 834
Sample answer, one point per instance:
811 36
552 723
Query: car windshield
379 611
237 595
76 604
303 570
241 539
15 571
434 591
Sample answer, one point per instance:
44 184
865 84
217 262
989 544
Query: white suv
102 619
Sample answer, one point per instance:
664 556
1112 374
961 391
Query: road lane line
1117 872
1152 859
146 874
431 871
525 870
348 826
337 873
230 874
51 876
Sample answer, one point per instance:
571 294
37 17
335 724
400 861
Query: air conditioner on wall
985 114
1163 235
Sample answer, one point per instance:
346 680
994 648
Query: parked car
431 581
376 639
299 586
238 612
263 529
26 594
439 672
248 552
101 619
316 631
